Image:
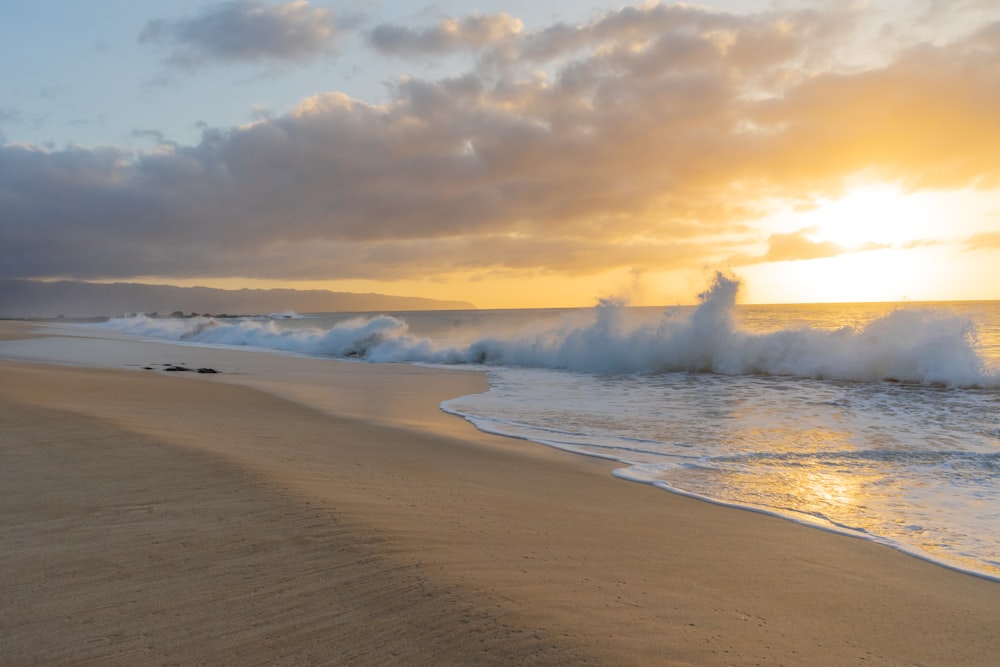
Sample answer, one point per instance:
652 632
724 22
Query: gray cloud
9 114
649 148
470 33
12 116
245 31
154 136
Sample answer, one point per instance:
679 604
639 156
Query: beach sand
244 518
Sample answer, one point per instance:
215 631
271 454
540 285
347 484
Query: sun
873 243
879 215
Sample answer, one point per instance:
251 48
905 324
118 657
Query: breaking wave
917 346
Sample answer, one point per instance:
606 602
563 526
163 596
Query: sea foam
909 345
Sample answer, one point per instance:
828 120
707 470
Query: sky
509 154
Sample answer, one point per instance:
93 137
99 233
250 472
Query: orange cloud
984 241
798 246
928 120
784 247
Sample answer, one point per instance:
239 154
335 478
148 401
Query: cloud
245 31
9 115
925 120
797 246
748 40
983 241
154 136
620 143
786 247
12 116
470 33
920 243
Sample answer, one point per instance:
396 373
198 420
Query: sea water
877 420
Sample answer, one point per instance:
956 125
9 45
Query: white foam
913 345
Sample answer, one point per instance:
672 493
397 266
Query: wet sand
264 516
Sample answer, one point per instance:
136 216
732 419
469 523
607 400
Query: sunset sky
506 153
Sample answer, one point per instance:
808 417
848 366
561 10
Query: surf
909 345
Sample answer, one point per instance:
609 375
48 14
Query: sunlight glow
873 214
878 242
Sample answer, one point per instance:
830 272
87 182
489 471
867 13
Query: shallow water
916 467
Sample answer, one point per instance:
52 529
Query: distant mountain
34 298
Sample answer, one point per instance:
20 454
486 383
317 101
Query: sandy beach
250 517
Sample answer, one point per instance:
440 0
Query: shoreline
617 467
532 548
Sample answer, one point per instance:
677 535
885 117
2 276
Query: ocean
880 421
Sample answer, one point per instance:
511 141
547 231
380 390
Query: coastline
358 523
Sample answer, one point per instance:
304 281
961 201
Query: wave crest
918 346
